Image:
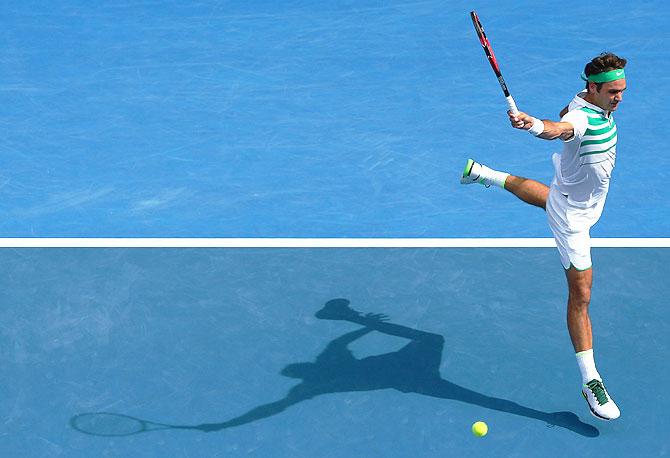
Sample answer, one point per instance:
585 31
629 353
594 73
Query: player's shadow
415 368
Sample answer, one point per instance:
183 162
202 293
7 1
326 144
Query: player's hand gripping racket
492 60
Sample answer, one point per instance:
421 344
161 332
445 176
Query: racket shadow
415 368
109 424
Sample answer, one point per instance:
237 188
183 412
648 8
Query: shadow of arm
338 345
255 414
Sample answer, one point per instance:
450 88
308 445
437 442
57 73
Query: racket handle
511 105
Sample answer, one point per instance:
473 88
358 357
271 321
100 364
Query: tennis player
574 201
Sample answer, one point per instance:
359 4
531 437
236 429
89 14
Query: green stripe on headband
605 77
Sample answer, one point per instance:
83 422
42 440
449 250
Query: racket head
485 43
109 424
478 28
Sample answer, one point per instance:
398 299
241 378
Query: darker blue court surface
308 118
285 353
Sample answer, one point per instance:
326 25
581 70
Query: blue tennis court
301 119
292 119
232 341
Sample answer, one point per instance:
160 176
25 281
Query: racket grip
511 105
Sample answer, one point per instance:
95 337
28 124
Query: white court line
320 242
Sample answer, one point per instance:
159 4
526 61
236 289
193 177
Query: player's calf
530 191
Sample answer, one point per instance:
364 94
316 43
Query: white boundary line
320 242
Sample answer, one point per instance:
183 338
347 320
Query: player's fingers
521 120
516 122
517 119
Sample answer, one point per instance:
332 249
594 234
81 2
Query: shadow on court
412 369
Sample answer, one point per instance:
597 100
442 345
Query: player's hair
605 62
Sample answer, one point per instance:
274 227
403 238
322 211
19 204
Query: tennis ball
480 429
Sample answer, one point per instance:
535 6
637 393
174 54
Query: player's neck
588 97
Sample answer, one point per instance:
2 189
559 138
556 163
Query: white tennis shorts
571 226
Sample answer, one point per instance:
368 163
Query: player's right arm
551 131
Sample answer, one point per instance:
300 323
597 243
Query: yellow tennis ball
480 429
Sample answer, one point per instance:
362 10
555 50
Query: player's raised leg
530 191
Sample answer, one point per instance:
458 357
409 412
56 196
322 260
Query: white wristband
537 128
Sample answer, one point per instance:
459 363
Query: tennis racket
114 424
486 44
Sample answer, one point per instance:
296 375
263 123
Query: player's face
610 94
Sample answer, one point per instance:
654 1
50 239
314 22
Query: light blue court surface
309 118
238 349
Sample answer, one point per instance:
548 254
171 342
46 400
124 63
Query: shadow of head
336 309
338 302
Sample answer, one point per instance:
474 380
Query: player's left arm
551 130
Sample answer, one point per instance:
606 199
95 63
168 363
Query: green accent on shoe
598 389
468 167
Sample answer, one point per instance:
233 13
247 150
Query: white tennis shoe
471 174
600 403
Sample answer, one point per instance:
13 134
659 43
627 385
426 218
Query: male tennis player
575 199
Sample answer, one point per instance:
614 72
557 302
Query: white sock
587 366
489 175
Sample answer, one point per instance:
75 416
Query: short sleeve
579 121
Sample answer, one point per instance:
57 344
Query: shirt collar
579 99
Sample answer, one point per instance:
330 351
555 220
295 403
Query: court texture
236 229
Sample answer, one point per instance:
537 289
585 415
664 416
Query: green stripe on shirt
597 142
604 130
598 121
597 152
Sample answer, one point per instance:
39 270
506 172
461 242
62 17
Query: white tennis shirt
584 167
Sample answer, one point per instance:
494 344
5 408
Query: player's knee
580 297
